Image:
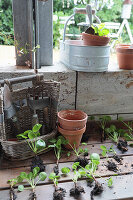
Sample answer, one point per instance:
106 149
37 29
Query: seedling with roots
103 120
90 172
79 154
31 180
114 135
57 145
59 193
36 145
12 183
77 190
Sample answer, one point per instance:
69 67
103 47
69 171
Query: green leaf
65 170
112 128
75 165
52 140
52 176
22 136
31 135
20 188
36 171
83 143
82 172
23 175
63 140
94 156
12 181
104 153
51 146
68 153
40 144
19 179
36 128
103 148
120 118
42 176
81 150
128 137
30 176
58 144
110 182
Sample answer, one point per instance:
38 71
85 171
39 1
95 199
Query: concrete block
105 93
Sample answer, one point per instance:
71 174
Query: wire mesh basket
33 97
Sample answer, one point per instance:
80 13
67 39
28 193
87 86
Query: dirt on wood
82 161
122 146
112 166
76 191
59 193
98 189
37 162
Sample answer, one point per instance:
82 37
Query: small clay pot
72 119
94 40
74 137
124 56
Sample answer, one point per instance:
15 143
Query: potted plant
96 36
125 56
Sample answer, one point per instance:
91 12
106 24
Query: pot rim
69 120
74 132
97 36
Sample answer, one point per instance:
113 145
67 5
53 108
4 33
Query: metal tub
76 56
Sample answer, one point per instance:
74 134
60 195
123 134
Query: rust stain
128 85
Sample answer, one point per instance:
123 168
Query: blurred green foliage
6 23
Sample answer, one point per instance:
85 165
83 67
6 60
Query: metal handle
23 79
88 10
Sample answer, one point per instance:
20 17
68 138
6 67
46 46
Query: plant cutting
90 172
96 35
59 193
80 154
31 180
57 145
36 145
77 190
128 136
114 135
12 183
103 120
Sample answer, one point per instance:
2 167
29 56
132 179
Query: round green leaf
31 135
40 144
65 170
23 175
95 156
103 148
20 188
52 176
30 176
36 171
42 176
36 128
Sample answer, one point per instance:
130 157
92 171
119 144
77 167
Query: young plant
103 120
114 135
31 180
79 153
12 183
100 30
59 193
65 170
128 136
77 190
105 151
90 172
35 144
57 145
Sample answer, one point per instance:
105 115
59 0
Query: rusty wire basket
32 94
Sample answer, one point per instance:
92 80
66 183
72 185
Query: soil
90 182
13 196
76 191
86 154
98 189
37 162
82 161
59 194
90 30
33 196
112 166
118 158
122 145
56 170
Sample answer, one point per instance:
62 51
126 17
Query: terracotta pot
124 56
94 40
72 136
72 119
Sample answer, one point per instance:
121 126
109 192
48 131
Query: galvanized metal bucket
76 56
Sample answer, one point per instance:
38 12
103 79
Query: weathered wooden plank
122 189
23 30
102 171
44 32
105 93
49 157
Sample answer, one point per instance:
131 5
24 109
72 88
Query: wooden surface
122 186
